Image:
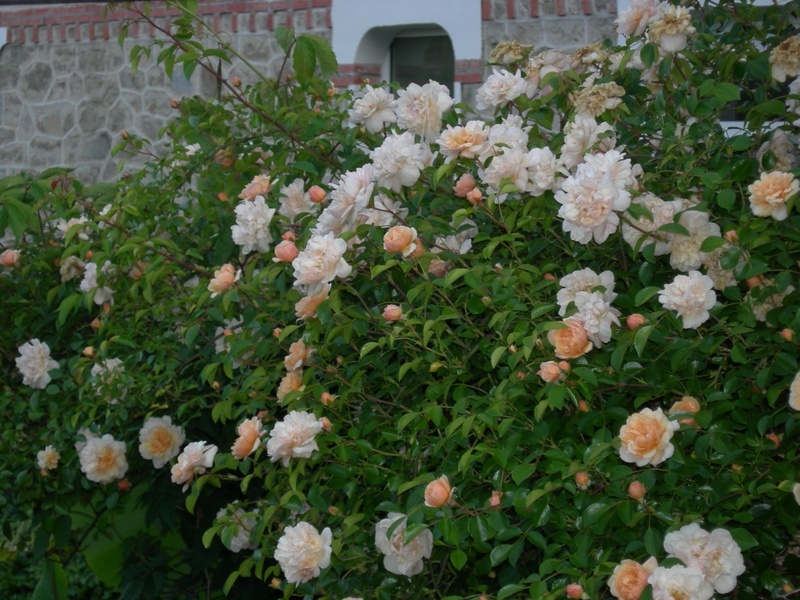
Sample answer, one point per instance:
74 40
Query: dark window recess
419 59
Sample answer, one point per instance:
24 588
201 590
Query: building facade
67 90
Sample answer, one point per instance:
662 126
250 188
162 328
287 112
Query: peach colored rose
572 341
306 307
327 399
628 580
249 438
326 424
769 194
464 185
9 257
474 196
223 279
787 334
635 320
299 355
645 438
286 252
582 480
400 239
636 490
288 236
438 492
292 382
316 194
438 267
392 313
260 186
687 404
731 236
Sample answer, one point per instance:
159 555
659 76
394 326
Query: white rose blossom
584 280
374 109
47 459
794 392
500 88
597 316
716 555
468 141
320 262
89 282
160 440
398 161
243 526
401 558
303 552
419 108
685 254
349 198
580 136
691 296
104 373
34 363
293 437
679 583
251 230
103 459
662 212
294 201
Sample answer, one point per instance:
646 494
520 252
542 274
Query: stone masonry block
35 82
565 33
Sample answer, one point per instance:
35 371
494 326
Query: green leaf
325 56
303 59
727 92
652 542
522 473
509 590
641 337
645 294
499 554
497 354
284 36
53 584
711 243
744 539
458 558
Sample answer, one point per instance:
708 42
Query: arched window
421 54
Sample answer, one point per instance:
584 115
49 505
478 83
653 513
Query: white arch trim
352 19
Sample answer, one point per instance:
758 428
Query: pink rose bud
262 413
89 255
494 500
787 334
773 437
636 490
236 82
475 196
392 313
574 590
326 424
550 277
88 352
123 485
9 257
464 185
288 236
549 371
316 194
754 281
276 333
731 236
438 492
400 239
583 406
635 320
174 103
327 399
286 252
582 480
564 366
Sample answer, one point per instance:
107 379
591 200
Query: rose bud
400 239
464 185
288 236
574 590
787 334
636 490
316 194
326 424
9 257
475 196
582 480
286 252
635 320
549 371
731 236
495 498
327 399
392 313
438 492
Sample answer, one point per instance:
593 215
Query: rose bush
427 352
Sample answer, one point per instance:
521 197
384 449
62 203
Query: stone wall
67 90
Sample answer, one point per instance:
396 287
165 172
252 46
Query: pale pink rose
785 59
687 404
374 109
299 356
285 252
392 312
474 196
636 490
549 371
293 437
671 28
9 257
419 108
223 279
400 239
691 296
194 460
320 263
572 341
438 267
637 17
468 141
495 499
464 185
402 558
302 552
574 590
645 438
769 194
439 493
249 438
